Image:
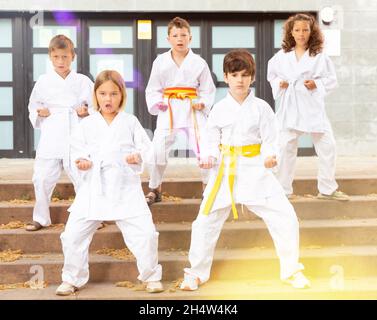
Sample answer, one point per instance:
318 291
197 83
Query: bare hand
283 84
134 158
43 112
207 163
83 164
198 106
270 162
161 106
310 84
82 111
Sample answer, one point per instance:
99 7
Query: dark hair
238 60
315 43
179 23
61 42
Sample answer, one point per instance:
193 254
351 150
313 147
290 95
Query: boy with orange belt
180 92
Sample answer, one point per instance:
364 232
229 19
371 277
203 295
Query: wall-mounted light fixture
327 15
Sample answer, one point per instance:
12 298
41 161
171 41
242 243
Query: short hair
315 43
238 60
114 77
179 23
61 42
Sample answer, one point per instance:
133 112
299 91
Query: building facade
128 35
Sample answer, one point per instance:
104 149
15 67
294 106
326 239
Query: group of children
237 141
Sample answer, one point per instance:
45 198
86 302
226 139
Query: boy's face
179 39
108 97
239 82
61 60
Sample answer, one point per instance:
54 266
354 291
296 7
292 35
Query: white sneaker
298 281
65 289
154 287
336 195
189 283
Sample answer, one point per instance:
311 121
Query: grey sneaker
336 195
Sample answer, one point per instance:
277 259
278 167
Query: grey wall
352 107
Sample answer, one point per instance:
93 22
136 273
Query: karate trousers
163 141
281 221
138 232
46 174
325 147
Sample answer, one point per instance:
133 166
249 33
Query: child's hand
43 112
160 106
207 163
82 111
198 106
134 158
270 162
283 84
310 84
83 164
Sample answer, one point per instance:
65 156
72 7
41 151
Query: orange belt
183 93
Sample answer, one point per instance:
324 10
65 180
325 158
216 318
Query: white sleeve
206 90
86 93
325 79
78 145
154 90
34 104
210 141
269 132
273 78
142 143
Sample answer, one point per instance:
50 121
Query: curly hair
315 43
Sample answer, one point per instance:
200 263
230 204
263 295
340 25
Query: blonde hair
61 42
114 77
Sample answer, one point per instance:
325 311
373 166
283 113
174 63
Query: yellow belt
183 93
233 152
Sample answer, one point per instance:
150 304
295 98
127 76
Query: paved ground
22 169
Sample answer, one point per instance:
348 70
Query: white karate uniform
300 110
61 97
110 190
193 73
253 122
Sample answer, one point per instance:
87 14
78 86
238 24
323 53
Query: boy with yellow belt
180 92
242 136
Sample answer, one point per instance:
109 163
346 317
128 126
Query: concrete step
240 234
307 208
191 188
323 288
236 264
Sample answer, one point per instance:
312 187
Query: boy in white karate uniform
301 75
180 92
109 148
242 135
58 101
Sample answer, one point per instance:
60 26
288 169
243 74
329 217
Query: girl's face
109 98
301 32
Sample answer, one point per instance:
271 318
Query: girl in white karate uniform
109 148
180 92
242 135
301 75
59 99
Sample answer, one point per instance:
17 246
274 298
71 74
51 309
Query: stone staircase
338 246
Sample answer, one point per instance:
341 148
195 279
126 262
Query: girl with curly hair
301 75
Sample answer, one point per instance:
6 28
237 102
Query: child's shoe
154 287
189 283
336 195
298 281
65 289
